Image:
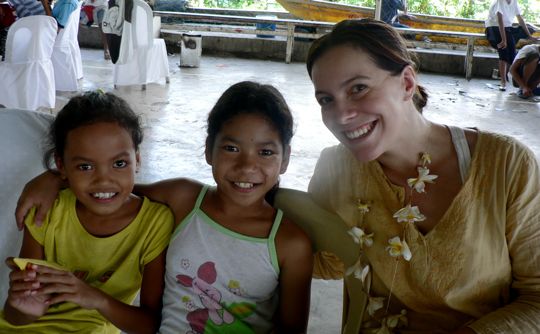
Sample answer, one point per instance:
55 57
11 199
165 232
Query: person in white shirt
498 24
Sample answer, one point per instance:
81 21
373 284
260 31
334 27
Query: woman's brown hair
378 39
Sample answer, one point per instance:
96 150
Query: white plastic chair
27 75
22 134
66 56
143 58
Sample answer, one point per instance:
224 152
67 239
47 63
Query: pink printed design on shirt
210 298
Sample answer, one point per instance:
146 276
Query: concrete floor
175 118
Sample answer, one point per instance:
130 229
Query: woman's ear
285 161
408 76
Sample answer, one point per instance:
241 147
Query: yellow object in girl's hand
22 262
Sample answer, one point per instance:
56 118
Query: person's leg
502 73
529 66
99 19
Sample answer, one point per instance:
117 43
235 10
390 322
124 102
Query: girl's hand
23 293
64 286
502 44
40 192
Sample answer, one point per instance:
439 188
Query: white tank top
217 280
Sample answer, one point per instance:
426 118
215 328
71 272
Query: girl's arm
24 305
296 266
131 319
40 192
178 194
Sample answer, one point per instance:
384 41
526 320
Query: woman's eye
120 164
324 100
357 88
84 167
266 152
230 148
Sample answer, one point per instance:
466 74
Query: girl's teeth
103 195
244 185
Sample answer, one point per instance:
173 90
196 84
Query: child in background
111 242
525 70
234 264
499 34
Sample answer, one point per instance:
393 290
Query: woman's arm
327 231
522 314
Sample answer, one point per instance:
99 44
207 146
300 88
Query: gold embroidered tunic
480 265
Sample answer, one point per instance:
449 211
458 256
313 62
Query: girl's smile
99 162
247 158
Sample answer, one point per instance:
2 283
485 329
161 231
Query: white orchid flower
374 304
393 321
409 214
398 248
419 183
358 271
360 237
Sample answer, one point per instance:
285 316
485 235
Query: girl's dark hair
90 108
249 97
379 40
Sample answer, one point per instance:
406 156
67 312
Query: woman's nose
345 111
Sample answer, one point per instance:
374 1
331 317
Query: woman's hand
40 192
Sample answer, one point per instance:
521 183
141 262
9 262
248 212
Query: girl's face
247 158
360 103
99 163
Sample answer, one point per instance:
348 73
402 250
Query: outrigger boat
316 10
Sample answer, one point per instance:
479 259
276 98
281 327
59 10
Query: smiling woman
433 259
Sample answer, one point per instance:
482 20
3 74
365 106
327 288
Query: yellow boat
326 11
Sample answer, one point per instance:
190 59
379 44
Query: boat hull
332 12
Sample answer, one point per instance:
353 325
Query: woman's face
360 103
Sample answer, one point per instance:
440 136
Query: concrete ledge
438 60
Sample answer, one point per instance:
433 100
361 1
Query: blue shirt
62 10
389 10
27 7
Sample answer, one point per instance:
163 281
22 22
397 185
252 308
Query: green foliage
476 9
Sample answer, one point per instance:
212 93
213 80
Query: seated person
25 8
389 12
92 11
525 70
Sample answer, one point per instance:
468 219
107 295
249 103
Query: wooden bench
235 24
